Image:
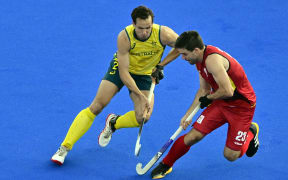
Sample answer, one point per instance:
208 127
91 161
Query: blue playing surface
53 55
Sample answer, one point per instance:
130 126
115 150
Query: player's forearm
220 94
129 82
171 56
199 94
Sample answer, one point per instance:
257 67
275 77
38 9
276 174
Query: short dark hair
141 12
189 40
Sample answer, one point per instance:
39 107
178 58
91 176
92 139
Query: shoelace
61 151
108 130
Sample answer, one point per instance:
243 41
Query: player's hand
185 123
204 101
158 73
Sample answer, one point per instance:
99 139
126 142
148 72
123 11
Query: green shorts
143 82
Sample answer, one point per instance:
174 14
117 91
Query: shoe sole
57 162
103 129
162 176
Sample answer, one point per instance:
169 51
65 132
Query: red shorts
238 114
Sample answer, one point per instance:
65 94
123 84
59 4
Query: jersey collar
135 36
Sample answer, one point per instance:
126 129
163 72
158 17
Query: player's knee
96 108
139 118
231 156
146 120
148 117
192 138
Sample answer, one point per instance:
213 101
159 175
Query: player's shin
78 128
245 146
178 149
127 120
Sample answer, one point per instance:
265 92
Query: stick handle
151 91
138 145
192 114
149 97
178 131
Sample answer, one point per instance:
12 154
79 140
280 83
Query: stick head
139 169
137 149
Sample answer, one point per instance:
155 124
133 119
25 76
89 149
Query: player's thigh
109 86
143 82
239 121
210 119
139 109
105 93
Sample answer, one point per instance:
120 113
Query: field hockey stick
141 170
138 145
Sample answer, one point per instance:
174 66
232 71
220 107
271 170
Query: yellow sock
79 127
128 120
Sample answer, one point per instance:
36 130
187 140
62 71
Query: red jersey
238 78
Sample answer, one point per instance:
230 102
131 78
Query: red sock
178 149
244 148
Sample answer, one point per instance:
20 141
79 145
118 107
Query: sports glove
204 101
158 73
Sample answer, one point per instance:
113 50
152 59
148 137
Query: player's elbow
228 91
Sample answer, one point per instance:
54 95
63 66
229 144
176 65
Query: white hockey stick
138 145
141 170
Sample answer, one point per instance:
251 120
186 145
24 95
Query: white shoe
106 134
60 155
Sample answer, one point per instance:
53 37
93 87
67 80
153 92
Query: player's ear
197 50
134 24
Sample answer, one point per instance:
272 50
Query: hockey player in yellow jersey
140 47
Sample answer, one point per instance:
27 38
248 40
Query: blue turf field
53 55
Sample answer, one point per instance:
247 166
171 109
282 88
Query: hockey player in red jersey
228 96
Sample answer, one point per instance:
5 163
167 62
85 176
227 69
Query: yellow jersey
144 55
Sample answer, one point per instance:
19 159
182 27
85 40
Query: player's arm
168 37
204 89
123 46
215 65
